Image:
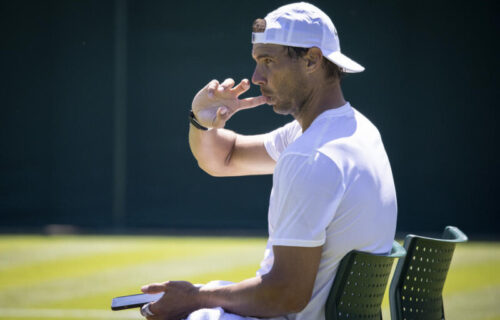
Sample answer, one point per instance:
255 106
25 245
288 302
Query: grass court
75 277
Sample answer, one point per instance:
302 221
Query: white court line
68 313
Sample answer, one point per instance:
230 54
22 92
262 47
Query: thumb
223 114
154 288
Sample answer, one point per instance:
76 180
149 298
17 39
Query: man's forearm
258 297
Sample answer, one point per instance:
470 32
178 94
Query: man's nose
257 78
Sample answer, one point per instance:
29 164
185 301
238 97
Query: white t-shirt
332 186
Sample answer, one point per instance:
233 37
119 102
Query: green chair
359 285
417 285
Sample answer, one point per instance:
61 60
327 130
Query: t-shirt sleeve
276 141
310 191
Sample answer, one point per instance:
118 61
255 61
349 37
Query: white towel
215 314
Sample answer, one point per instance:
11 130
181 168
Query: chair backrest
359 285
418 281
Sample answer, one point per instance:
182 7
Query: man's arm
222 152
287 288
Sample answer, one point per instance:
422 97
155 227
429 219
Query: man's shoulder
327 131
308 168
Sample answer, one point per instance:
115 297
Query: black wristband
195 122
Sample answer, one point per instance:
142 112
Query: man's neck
319 100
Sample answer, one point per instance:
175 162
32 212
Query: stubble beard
283 109
292 107
296 94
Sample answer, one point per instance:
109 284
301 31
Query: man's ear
314 58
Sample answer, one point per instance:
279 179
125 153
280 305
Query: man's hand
180 298
216 103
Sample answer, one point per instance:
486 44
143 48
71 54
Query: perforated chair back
418 281
359 285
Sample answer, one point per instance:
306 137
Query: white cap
303 25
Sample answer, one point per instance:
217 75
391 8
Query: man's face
282 79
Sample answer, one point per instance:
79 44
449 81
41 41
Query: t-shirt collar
346 108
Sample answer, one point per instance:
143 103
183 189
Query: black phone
134 301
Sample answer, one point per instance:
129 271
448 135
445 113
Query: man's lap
218 313
215 314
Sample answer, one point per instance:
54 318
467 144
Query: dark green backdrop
95 94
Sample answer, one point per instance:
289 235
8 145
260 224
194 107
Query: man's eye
267 61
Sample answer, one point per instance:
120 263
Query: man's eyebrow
262 55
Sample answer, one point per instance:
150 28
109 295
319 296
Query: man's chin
280 110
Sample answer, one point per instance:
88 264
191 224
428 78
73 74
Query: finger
148 313
154 288
243 86
251 102
155 317
154 309
222 115
227 84
211 87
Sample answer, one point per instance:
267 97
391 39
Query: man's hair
332 71
259 25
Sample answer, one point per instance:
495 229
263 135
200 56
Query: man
333 189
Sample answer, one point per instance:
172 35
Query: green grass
75 277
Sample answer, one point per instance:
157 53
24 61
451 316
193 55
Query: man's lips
268 99
267 95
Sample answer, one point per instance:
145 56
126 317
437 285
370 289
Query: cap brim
345 62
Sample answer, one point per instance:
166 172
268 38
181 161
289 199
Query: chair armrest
454 234
397 250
